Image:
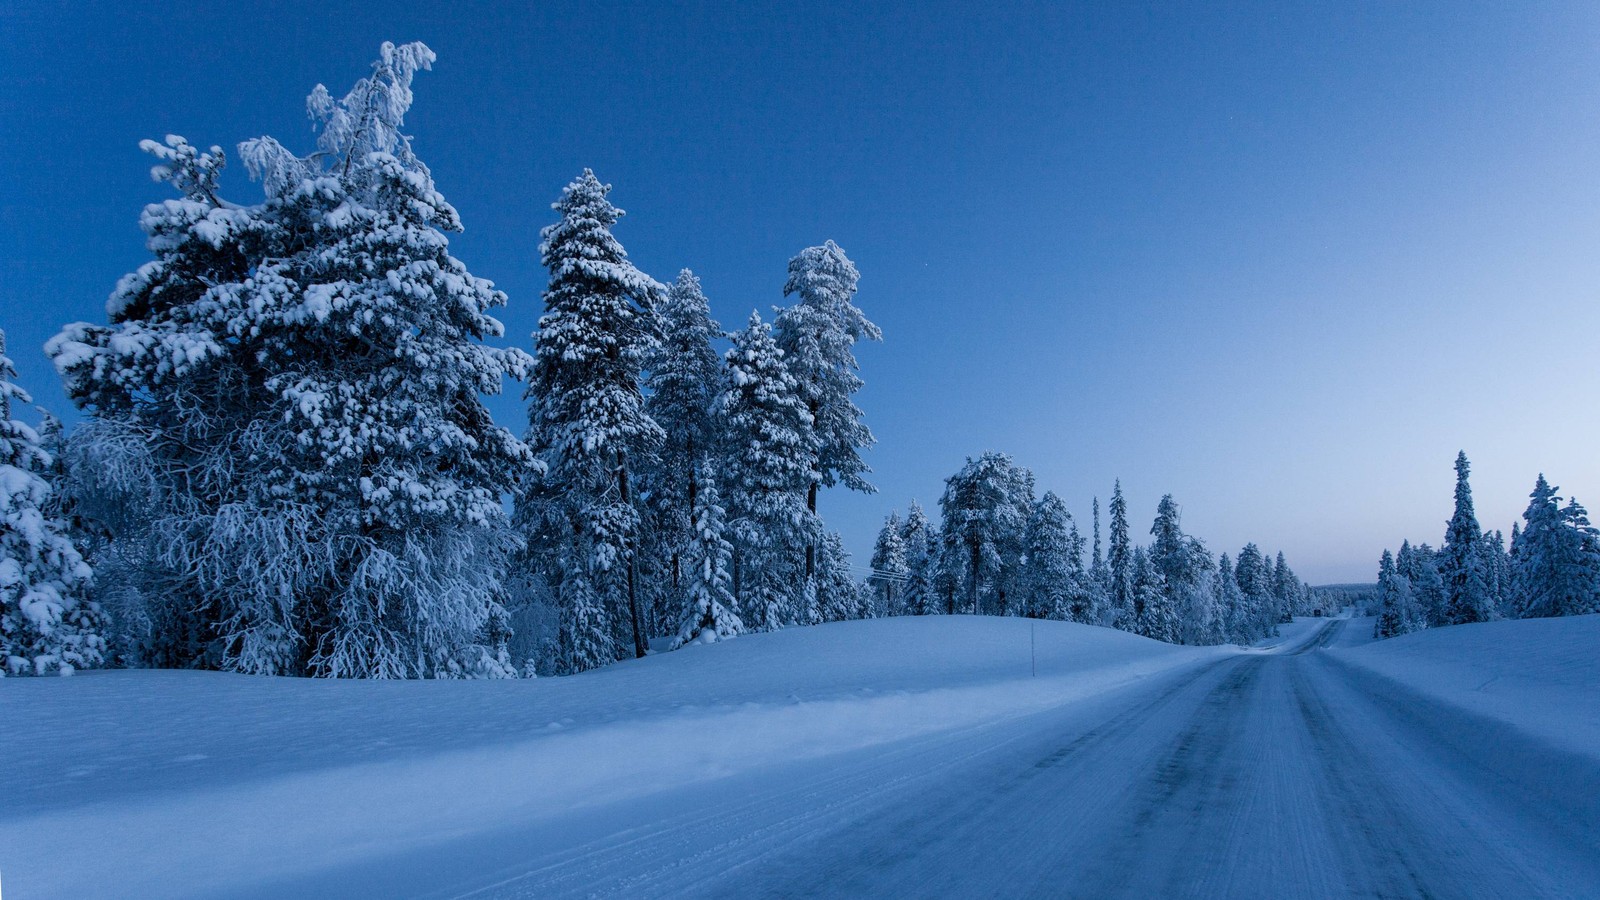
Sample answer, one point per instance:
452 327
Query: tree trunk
972 579
639 647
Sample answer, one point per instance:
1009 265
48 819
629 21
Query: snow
1540 677
892 757
203 773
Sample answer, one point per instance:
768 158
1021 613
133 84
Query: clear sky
1282 261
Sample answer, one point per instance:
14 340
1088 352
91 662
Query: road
1265 774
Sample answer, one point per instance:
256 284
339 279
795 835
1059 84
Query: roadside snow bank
1538 676
192 783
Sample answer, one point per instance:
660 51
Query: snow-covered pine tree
1153 614
1048 584
1186 576
685 379
890 569
708 607
588 424
1498 567
922 559
1420 566
1100 578
1260 619
1396 607
1461 560
303 381
48 623
1287 590
985 508
1557 563
1119 563
839 596
1081 598
817 336
769 464
1231 605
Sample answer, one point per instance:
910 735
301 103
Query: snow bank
1540 677
195 783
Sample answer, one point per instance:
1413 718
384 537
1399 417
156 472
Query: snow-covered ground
893 757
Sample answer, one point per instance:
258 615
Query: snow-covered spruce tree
922 560
890 570
1186 576
1232 609
1100 577
685 378
1420 566
769 462
1498 566
817 336
1049 580
1081 597
1557 566
985 508
1154 616
1287 590
305 376
1461 559
839 596
48 624
1394 600
588 424
1119 563
1260 618
708 608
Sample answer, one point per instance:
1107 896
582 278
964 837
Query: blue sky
1280 262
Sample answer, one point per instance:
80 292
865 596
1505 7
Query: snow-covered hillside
1538 676
906 756
203 773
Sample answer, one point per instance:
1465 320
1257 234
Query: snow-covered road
1272 774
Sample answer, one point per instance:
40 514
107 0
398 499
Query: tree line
1004 550
1551 567
285 465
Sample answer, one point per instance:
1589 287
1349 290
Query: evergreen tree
685 379
1461 560
1100 577
1287 590
922 560
770 463
296 389
1557 560
1049 582
890 570
839 597
1260 617
1231 605
1497 565
708 610
1153 614
588 424
1397 613
1186 576
985 508
47 621
817 336
1082 601
1119 563
1420 566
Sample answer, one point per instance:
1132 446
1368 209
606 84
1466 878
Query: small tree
47 622
890 569
708 611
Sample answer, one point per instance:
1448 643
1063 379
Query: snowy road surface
1275 774
812 762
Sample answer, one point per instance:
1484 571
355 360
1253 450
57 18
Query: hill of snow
231 779
1538 677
